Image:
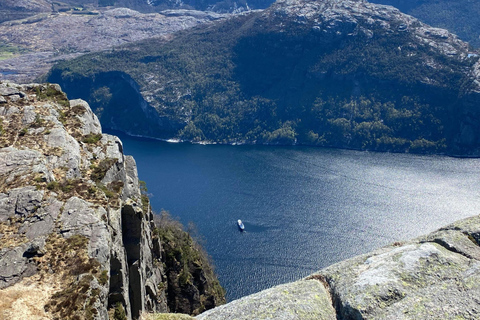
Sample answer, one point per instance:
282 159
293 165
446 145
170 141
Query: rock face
77 236
436 276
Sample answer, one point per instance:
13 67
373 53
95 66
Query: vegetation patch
22 132
49 92
38 123
10 234
165 316
103 278
100 170
144 195
92 138
68 258
187 265
8 51
249 80
79 109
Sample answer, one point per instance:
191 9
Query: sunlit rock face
76 238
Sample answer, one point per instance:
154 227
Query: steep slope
78 240
346 74
461 17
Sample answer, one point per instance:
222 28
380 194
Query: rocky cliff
77 236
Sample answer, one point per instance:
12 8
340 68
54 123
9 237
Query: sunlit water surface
303 208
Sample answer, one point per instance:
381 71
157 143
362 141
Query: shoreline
207 143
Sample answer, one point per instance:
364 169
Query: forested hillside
343 74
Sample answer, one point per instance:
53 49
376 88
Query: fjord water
303 208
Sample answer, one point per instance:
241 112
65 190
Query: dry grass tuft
165 316
26 299
10 235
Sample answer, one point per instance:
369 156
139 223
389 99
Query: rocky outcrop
77 236
436 276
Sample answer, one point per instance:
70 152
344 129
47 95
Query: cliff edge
436 276
77 236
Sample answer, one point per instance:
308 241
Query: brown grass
11 237
26 299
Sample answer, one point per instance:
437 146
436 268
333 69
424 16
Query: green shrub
92 138
119 313
53 185
23 132
186 258
103 278
99 172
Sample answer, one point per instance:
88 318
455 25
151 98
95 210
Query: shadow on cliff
116 99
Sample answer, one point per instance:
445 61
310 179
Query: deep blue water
6 73
303 208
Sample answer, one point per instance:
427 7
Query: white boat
240 225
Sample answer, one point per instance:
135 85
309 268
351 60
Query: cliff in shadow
78 240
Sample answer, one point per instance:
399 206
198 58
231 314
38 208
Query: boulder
303 300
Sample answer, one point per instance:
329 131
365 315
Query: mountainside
346 74
19 9
77 236
32 45
461 16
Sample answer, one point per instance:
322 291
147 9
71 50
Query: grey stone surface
29 115
15 164
119 233
27 200
131 188
6 90
70 156
422 279
14 265
90 122
305 299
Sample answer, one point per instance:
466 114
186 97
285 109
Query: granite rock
55 220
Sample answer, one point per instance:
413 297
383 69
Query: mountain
461 17
346 74
78 236
32 45
19 9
